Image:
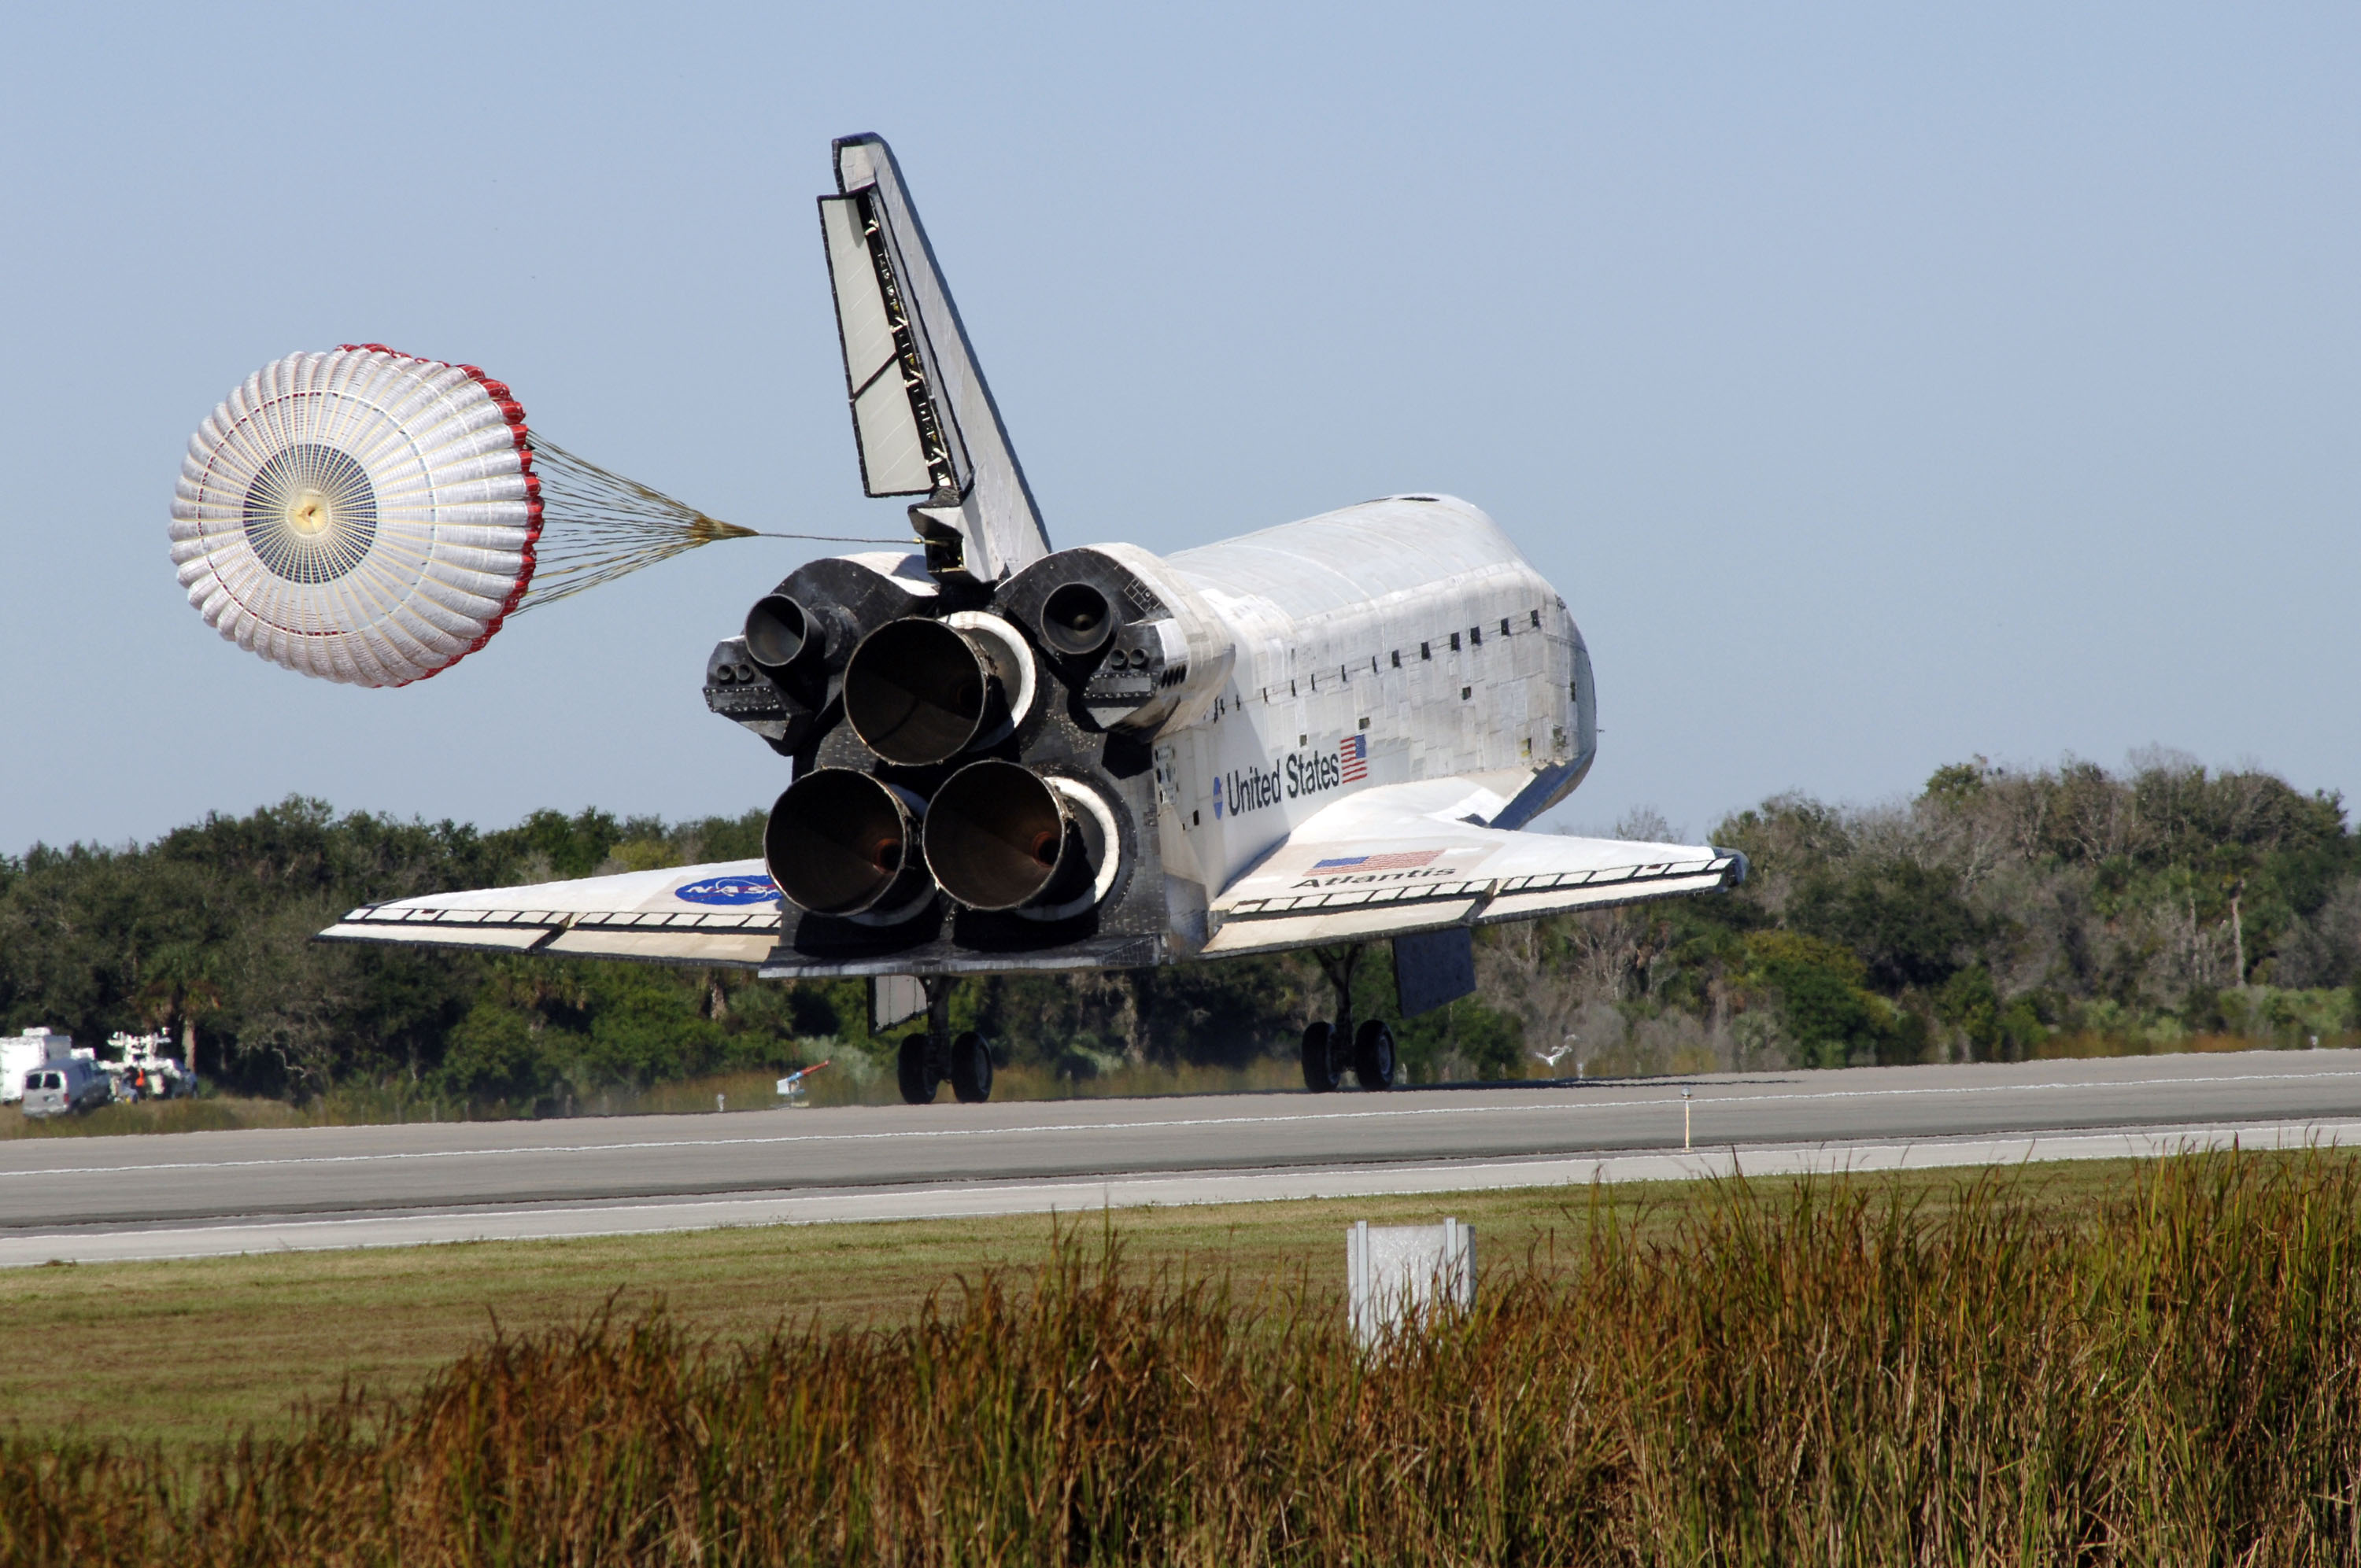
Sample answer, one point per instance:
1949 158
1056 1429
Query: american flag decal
1402 861
1352 750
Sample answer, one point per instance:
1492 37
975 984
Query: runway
204 1193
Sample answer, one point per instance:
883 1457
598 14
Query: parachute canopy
362 516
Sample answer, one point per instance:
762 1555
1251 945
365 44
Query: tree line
1998 914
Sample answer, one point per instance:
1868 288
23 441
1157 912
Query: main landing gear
1330 1048
927 1059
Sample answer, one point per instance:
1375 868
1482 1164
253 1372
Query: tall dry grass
214 1113
1831 1374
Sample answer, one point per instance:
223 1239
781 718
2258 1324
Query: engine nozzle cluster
958 788
997 836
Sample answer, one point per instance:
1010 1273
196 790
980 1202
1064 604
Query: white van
66 1083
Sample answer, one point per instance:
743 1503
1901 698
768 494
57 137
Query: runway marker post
1685 1121
1405 1274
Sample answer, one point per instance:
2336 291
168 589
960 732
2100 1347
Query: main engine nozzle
1000 835
840 842
920 691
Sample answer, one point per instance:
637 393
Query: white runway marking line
1303 1116
939 1202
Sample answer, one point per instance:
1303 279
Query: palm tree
182 989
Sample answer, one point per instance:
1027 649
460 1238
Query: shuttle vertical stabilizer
923 417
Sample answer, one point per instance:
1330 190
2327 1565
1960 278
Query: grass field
2153 1363
2156 1362
187 1353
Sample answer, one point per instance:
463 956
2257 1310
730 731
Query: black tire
1373 1055
917 1071
970 1069
1320 1072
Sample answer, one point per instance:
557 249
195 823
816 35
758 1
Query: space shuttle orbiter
1004 757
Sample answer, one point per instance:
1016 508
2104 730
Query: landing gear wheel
1320 1072
917 1071
1373 1055
970 1069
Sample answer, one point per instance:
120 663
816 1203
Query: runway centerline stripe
1307 1118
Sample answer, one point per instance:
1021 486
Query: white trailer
20 1054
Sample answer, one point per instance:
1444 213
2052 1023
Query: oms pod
1000 835
920 691
842 843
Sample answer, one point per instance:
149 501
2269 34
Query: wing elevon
725 914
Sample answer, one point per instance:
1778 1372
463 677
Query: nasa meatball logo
730 890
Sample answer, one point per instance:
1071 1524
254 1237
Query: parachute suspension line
598 526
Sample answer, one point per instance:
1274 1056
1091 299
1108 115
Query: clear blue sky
1881 385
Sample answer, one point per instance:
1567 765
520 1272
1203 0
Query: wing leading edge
1418 857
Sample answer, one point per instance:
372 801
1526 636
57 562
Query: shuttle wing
723 915
1418 857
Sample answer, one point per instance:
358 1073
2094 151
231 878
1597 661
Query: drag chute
371 517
